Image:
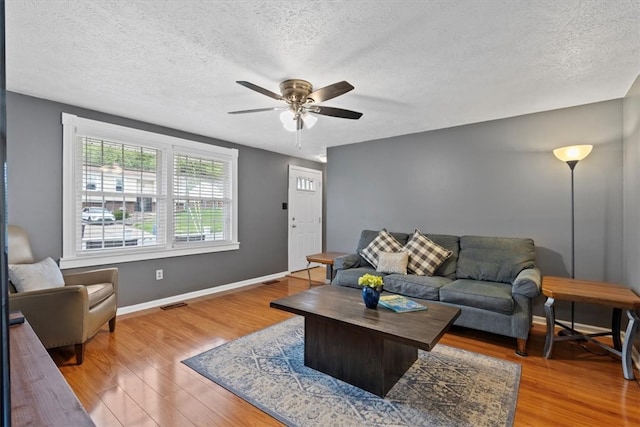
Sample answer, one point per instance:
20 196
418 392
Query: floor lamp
572 155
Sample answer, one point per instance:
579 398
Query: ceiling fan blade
330 92
255 110
260 90
336 112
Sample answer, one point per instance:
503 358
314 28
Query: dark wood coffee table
370 349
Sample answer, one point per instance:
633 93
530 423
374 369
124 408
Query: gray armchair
67 315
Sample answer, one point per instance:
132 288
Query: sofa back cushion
367 236
495 259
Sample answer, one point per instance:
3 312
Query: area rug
444 387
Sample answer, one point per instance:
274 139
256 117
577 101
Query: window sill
105 259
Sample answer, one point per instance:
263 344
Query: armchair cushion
98 293
32 277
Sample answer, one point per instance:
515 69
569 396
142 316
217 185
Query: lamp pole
572 155
572 165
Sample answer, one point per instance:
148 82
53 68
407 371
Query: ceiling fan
302 101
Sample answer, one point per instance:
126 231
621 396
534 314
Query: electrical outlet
159 275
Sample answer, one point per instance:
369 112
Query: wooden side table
325 258
616 296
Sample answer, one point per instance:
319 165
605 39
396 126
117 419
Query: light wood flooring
134 377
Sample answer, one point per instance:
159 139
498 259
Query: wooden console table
616 296
325 258
40 396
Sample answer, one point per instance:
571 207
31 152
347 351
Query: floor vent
176 305
270 282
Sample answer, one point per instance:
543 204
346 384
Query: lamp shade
289 123
287 119
573 153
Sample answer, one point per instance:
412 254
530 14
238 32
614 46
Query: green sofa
493 280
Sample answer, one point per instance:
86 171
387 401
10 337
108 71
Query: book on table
400 304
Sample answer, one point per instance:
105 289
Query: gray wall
631 106
34 146
497 178
631 121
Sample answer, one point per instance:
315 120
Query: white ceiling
415 65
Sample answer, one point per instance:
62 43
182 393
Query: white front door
305 215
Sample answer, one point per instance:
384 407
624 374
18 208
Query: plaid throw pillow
425 256
384 242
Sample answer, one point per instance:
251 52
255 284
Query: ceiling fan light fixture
288 120
309 120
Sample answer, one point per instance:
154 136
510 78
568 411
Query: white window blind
201 199
131 195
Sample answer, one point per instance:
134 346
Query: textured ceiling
415 65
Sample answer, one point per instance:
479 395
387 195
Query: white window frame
75 127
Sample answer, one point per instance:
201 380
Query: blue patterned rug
444 387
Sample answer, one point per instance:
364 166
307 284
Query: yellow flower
371 281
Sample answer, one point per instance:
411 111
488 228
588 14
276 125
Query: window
131 195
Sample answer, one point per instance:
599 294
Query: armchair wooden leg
112 324
521 349
79 353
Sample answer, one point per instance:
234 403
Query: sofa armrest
528 283
346 261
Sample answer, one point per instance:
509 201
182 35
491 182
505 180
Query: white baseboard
590 329
196 294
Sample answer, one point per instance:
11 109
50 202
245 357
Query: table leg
309 272
632 328
550 314
615 328
330 272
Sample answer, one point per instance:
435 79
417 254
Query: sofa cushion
367 236
424 287
393 262
44 274
492 296
349 277
384 242
452 243
497 259
425 256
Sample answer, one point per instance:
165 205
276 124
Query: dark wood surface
368 348
603 293
356 355
40 396
421 329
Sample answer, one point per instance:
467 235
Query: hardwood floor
134 377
